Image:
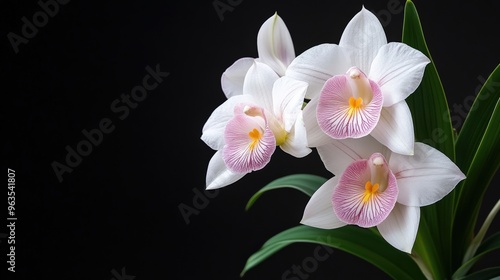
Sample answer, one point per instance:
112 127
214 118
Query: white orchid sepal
274 48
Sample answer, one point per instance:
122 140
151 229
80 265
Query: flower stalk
471 250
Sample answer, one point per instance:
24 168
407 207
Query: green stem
423 267
471 250
426 249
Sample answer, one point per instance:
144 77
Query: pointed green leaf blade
478 239
477 119
491 244
426 248
485 274
306 183
428 104
360 242
432 125
481 171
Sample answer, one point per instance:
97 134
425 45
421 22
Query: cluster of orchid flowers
347 101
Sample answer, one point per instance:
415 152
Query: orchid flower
359 86
274 48
373 186
246 128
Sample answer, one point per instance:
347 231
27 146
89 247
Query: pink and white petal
334 115
318 211
395 128
296 141
400 228
398 69
288 98
242 152
362 37
347 198
338 154
316 65
275 45
213 129
426 177
232 79
259 83
218 175
315 136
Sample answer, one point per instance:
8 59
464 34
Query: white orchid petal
338 154
362 38
296 141
426 177
274 44
232 79
395 128
218 175
315 135
400 228
316 65
398 69
213 129
259 82
318 211
288 97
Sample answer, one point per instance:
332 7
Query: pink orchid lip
349 105
250 142
366 193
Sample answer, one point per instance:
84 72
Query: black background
119 207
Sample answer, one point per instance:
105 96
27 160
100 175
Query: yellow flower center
278 128
354 105
255 135
370 190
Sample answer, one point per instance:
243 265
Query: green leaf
357 241
263 254
485 274
491 244
428 104
432 125
426 248
306 183
472 131
478 239
482 169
